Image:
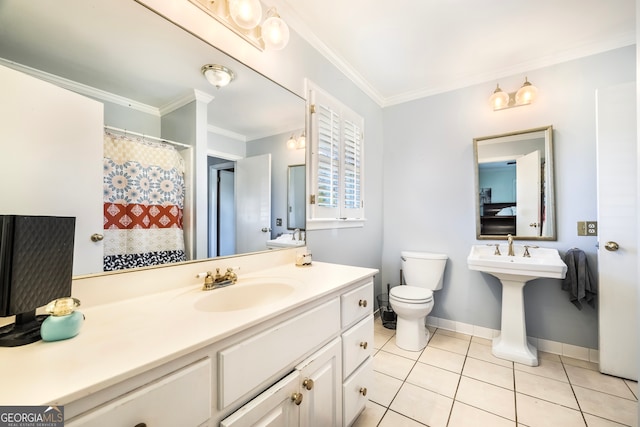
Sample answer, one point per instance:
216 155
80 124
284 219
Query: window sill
332 223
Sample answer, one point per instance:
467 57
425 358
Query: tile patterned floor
456 382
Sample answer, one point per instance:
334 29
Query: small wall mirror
514 185
295 197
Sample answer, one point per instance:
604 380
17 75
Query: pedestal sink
514 272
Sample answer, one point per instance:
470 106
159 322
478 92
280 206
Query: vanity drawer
354 391
356 304
244 366
181 398
357 345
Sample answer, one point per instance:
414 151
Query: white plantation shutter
352 169
336 174
328 153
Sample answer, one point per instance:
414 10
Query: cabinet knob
362 303
95 237
363 391
364 345
296 398
308 383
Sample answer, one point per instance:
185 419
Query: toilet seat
411 294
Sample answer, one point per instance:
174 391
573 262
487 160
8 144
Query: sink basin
544 262
514 272
244 295
285 241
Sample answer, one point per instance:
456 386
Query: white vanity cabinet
328 388
357 349
181 398
305 362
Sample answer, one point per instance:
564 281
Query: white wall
429 187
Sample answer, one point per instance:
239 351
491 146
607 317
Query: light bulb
499 99
245 13
526 94
275 32
291 143
302 141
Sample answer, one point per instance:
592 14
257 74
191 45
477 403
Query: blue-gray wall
429 187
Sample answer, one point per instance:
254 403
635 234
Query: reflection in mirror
514 185
296 206
146 73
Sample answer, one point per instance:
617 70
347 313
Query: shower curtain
143 203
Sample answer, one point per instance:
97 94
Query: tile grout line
459 380
564 368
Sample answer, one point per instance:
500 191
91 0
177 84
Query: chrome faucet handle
497 245
526 250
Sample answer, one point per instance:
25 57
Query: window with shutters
336 169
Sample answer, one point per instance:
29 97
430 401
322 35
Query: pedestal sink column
512 343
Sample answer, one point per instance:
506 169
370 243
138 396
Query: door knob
611 246
266 229
533 224
95 237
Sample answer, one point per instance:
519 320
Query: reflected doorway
239 200
221 212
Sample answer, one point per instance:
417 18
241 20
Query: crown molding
81 88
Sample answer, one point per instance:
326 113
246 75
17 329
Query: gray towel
579 281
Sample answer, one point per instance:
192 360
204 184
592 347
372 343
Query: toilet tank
423 269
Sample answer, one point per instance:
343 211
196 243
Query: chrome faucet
299 231
219 280
510 241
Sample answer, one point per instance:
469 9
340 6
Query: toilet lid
411 294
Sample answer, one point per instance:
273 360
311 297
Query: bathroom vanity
297 354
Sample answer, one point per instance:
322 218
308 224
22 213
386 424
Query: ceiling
406 49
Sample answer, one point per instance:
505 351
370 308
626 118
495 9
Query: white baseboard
569 350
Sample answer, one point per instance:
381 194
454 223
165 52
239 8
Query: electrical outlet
587 228
279 222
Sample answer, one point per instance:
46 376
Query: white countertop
122 339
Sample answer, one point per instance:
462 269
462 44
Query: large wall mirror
514 185
141 66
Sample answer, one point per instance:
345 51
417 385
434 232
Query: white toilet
412 303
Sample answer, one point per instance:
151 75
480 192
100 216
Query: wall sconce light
294 143
243 17
217 75
501 100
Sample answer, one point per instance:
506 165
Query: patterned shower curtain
143 203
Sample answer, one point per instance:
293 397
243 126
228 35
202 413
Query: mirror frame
550 207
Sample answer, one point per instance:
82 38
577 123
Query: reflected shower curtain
143 203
